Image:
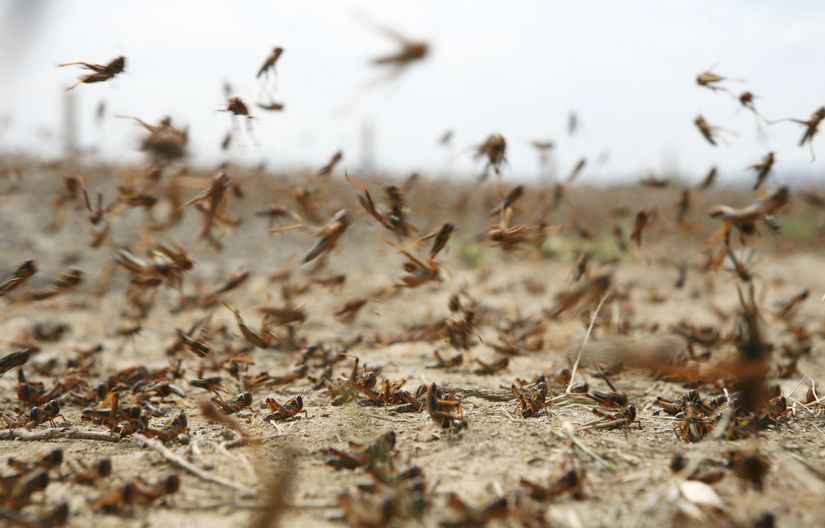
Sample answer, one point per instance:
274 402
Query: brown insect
37 415
214 197
90 474
811 128
347 312
20 493
51 460
615 420
242 401
571 481
446 412
268 66
708 79
164 141
641 221
745 219
683 207
291 407
22 272
693 425
654 182
410 51
272 107
213 384
488 369
531 402
238 108
15 359
418 271
327 169
746 99
543 148
199 347
751 466
787 308
708 131
178 426
508 200
262 339
613 399
64 283
284 315
763 169
137 492
466 516
448 363
584 295
391 216
329 235
709 180
379 452
440 238
102 72
494 149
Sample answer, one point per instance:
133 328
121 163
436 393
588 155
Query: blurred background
625 69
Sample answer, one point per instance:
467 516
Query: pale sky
627 68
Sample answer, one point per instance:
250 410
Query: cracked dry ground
628 479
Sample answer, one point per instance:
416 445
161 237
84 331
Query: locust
15 359
268 66
102 72
709 179
763 169
22 273
708 131
290 408
262 339
327 169
494 150
811 128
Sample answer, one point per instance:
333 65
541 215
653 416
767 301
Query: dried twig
584 342
58 433
189 468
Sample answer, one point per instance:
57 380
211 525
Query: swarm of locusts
400 312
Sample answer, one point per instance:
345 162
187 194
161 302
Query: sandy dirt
628 480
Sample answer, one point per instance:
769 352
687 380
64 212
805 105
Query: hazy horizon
629 74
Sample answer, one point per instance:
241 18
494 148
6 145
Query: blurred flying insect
494 149
418 271
238 108
811 128
584 295
708 131
268 70
745 218
710 80
642 218
102 72
262 339
410 51
508 200
22 272
272 106
440 238
327 169
763 169
214 197
709 180
14 359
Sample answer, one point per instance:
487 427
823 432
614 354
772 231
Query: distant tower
367 147
69 125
